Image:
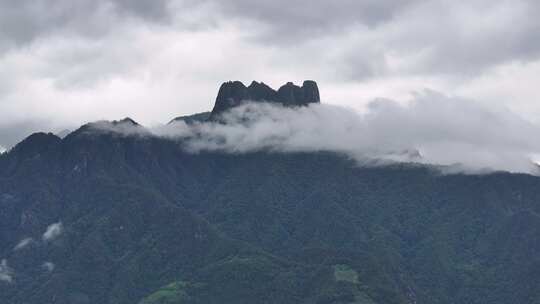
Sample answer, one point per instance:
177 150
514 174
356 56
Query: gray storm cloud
23 21
430 129
429 37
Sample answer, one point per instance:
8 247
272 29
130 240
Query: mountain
189 119
103 217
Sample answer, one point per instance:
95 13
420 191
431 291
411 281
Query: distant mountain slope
140 214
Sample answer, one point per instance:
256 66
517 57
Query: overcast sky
65 62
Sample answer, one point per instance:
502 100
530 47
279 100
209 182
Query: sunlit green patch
345 273
174 293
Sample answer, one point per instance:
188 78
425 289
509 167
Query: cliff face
233 93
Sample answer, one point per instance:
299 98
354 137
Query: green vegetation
345 273
174 293
146 222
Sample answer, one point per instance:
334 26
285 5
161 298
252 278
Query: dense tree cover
146 222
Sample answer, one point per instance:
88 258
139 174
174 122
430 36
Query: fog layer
431 128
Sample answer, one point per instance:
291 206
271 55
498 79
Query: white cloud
53 231
2 149
6 273
512 85
23 243
125 127
444 130
49 266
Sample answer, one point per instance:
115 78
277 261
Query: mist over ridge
430 129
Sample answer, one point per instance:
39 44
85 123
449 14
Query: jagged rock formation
233 93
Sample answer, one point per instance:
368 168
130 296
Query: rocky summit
234 93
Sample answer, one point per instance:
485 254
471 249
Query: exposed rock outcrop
234 93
